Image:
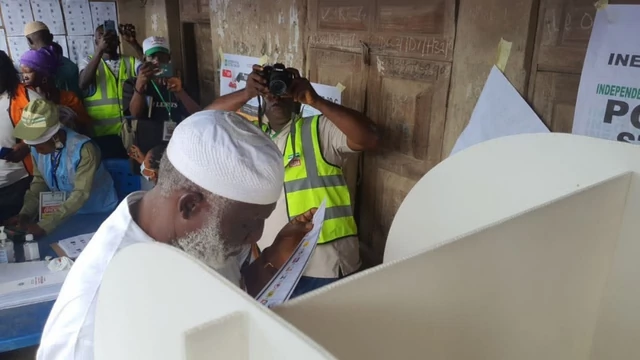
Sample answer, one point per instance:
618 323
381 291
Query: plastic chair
124 181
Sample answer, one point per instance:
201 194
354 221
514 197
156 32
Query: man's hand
146 72
34 229
17 221
105 41
256 84
128 33
174 84
20 151
301 89
136 154
289 237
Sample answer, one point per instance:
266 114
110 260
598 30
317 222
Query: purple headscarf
44 61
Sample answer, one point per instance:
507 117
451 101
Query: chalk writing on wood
352 18
326 58
339 40
413 45
574 25
414 69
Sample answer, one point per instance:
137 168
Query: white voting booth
524 247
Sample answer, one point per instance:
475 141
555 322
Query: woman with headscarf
39 68
66 163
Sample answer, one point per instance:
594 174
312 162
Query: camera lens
278 87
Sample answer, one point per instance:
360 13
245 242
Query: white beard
207 246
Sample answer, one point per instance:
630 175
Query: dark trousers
111 147
12 198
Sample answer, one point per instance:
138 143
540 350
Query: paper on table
78 17
102 11
62 40
16 15
500 111
331 93
80 47
50 13
15 277
73 246
279 289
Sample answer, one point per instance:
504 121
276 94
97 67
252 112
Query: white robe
68 333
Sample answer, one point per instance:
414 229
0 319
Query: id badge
50 202
167 131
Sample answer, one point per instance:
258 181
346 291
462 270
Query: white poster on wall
3 42
16 14
331 93
18 45
103 11
62 40
234 73
80 47
50 13
608 104
78 17
500 111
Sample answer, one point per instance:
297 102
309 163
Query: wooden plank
407 100
480 26
554 99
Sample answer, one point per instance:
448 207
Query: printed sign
50 202
608 104
331 93
234 73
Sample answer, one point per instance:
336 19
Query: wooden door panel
332 67
340 24
206 68
407 100
410 28
554 99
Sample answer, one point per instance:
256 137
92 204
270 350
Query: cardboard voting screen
156 302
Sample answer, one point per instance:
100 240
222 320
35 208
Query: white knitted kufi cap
224 153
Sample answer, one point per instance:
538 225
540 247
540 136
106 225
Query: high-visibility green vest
105 106
309 179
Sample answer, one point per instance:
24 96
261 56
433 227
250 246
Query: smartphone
165 71
109 25
4 152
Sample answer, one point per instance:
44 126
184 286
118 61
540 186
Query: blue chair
124 181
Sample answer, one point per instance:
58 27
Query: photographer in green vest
314 151
102 76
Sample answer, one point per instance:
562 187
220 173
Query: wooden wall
416 67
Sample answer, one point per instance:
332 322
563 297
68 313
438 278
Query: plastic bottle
7 254
31 250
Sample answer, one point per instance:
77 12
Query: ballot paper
16 15
73 246
77 15
103 11
50 13
281 286
80 47
3 41
18 45
62 41
28 283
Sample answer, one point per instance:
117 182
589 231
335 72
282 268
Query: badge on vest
167 131
50 202
294 160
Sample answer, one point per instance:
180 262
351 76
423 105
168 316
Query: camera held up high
278 79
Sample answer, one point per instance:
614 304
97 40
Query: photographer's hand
144 75
301 89
256 84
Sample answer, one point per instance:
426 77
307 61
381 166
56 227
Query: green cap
40 119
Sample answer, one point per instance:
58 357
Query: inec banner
608 104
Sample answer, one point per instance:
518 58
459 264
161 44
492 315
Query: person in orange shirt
38 74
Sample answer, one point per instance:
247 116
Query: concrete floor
22 354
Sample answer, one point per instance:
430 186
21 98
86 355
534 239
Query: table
22 326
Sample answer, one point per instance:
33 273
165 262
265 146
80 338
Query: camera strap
166 104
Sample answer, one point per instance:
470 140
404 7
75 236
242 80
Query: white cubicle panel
494 180
158 303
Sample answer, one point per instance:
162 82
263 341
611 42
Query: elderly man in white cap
211 201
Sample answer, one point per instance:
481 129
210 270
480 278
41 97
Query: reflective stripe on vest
309 178
105 106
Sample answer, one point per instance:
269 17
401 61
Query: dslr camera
278 79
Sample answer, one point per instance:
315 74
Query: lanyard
166 104
55 163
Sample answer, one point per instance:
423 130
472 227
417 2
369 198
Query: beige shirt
331 258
